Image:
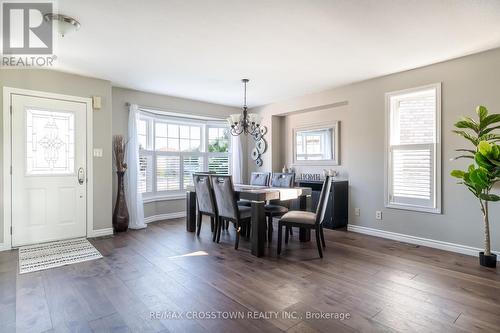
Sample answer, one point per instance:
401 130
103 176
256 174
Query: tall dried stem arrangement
119 146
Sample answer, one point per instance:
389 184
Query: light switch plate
96 102
97 152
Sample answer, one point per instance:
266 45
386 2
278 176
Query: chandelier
247 123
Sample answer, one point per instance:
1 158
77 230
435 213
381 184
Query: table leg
191 211
305 204
258 228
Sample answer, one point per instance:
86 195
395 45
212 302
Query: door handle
81 176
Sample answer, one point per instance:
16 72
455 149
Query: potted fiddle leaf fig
484 172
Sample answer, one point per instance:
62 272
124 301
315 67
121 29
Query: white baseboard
95 233
101 232
161 217
452 247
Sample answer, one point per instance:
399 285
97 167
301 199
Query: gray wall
325 116
63 83
122 96
111 119
466 83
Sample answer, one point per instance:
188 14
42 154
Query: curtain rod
174 112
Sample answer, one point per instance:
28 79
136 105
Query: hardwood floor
384 286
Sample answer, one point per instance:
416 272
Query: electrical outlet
357 212
378 215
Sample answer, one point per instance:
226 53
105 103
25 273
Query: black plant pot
488 261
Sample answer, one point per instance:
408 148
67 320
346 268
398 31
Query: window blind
145 178
168 169
412 172
191 164
219 164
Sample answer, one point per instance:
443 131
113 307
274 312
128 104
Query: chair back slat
280 179
323 200
260 178
225 197
204 193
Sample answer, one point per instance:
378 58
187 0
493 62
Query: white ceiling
200 49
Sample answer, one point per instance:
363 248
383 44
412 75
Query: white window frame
209 154
414 205
150 150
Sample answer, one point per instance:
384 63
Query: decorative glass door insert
50 142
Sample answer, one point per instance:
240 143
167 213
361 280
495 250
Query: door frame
8 92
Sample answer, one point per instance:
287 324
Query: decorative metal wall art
260 147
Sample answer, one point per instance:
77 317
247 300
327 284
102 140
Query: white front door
48 169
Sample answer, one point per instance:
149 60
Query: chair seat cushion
275 209
298 216
245 212
245 203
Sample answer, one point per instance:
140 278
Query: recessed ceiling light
65 24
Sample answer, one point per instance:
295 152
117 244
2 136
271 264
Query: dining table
258 196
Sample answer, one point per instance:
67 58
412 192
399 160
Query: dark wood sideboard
338 203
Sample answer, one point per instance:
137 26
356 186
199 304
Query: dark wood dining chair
308 220
277 208
205 199
260 178
256 179
227 207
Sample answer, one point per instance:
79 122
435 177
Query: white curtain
237 159
134 198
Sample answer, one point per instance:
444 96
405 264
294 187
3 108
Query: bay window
171 149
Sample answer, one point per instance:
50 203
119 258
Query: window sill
414 208
167 197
